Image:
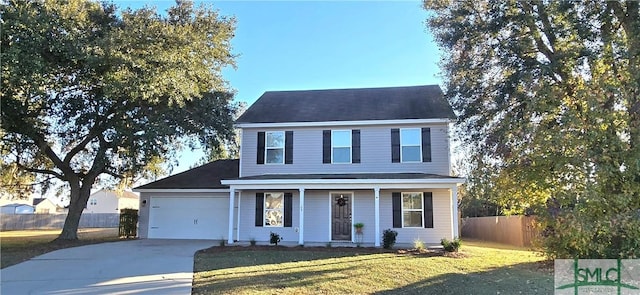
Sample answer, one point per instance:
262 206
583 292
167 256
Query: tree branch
42 171
535 32
116 175
47 151
546 25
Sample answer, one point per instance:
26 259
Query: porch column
232 194
301 229
454 211
238 217
376 213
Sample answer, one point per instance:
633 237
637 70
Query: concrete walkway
129 267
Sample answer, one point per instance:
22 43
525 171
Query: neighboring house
45 206
313 163
17 209
106 201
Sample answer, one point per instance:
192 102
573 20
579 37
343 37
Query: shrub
328 245
389 238
128 223
451 246
275 238
252 242
223 242
418 244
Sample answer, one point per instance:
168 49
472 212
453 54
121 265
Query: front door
341 216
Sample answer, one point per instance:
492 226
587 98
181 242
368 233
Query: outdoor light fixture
144 203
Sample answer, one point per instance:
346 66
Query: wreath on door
341 201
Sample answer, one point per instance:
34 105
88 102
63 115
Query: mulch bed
355 250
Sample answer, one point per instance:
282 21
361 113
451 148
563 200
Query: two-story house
314 163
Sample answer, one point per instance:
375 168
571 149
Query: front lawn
21 245
477 269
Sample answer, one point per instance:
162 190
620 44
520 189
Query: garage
188 217
188 205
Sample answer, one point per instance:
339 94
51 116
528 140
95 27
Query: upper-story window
341 146
274 147
410 145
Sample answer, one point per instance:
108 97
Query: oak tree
90 91
548 98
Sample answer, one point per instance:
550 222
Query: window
93 202
412 209
341 146
274 147
410 145
274 209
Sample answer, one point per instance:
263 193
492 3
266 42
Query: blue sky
321 45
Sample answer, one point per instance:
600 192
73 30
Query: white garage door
188 218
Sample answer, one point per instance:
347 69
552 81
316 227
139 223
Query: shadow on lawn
270 281
265 255
339 271
513 279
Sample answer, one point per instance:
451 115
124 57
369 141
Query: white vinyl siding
410 145
249 231
318 226
375 153
341 146
222 227
441 219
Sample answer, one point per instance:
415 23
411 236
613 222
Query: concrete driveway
129 267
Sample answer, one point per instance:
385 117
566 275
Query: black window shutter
259 209
288 210
428 209
326 146
355 146
288 147
395 145
260 155
426 144
396 202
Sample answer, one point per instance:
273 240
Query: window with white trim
410 145
274 209
412 209
274 147
341 146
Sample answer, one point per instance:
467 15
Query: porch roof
344 181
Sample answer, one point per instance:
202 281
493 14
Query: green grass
477 269
21 245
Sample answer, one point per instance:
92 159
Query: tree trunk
79 197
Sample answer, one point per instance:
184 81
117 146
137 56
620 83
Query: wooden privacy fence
513 230
56 221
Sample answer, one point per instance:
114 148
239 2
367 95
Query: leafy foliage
451 246
548 98
274 238
88 92
389 238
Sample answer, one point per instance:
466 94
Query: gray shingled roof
207 176
390 103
